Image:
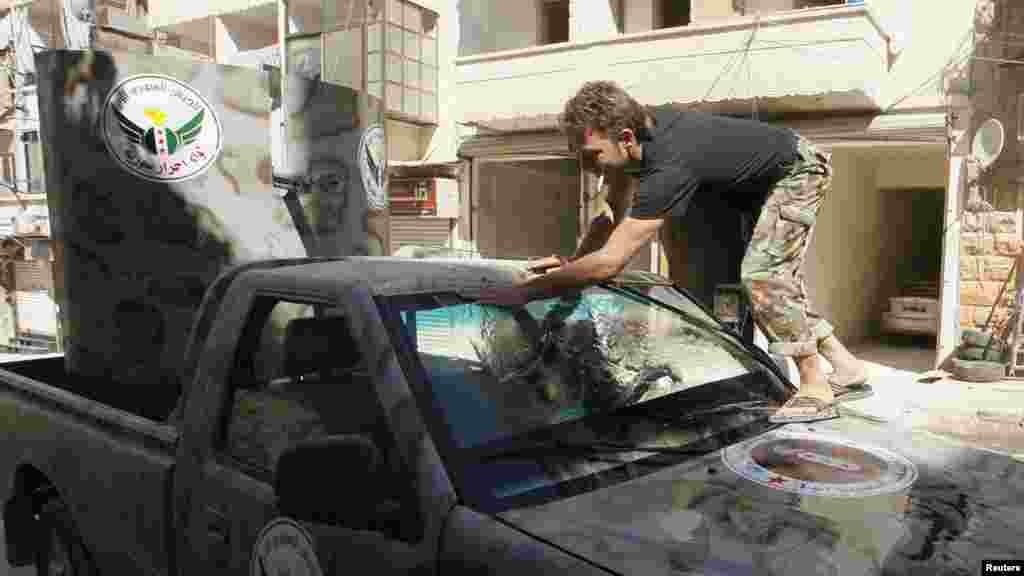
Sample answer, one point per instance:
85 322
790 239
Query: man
655 161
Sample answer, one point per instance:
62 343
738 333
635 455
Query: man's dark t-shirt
687 152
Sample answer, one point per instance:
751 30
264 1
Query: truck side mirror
331 480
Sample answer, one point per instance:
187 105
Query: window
496 375
490 376
299 377
409 50
33 162
671 13
554 20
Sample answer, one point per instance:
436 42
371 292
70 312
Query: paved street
985 415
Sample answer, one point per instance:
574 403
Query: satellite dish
988 142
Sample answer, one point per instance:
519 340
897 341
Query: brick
976 244
979 293
1007 245
971 222
1002 223
999 317
995 268
970 268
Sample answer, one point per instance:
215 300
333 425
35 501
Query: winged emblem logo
160 128
159 139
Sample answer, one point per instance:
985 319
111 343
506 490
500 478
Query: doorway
525 207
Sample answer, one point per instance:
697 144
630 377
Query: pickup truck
400 428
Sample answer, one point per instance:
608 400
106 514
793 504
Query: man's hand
542 265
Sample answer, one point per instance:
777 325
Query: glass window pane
412 73
396 40
339 66
428 78
375 89
412 45
428 104
394 68
429 54
643 352
373 64
411 103
394 96
373 37
395 11
413 17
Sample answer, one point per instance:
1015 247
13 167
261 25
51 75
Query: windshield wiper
584 449
539 448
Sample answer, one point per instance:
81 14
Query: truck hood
942 511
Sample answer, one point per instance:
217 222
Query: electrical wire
745 50
922 85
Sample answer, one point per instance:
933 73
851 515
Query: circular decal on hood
372 168
816 465
284 548
160 129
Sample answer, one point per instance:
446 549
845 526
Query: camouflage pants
772 269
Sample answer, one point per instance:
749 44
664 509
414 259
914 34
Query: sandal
822 411
857 390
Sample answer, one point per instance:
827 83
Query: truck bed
91 439
152 402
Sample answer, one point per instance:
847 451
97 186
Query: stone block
972 223
979 293
970 268
999 317
967 314
1006 245
976 244
1002 223
995 268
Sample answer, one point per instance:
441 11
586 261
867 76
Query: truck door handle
217 527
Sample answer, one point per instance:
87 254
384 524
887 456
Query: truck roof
394 276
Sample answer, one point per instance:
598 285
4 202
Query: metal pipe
282 38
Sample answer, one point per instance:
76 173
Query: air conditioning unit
428 197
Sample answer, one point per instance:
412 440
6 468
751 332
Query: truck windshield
496 374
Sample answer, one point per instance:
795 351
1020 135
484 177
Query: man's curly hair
602 105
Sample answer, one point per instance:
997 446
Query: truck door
299 394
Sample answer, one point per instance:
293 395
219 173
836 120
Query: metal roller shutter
32 275
419 231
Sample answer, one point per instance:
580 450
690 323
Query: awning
418 169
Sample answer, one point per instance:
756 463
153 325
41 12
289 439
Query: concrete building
866 80
395 51
472 89
28 313
992 85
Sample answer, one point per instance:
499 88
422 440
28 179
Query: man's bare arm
617 204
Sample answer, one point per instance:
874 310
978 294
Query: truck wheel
61 551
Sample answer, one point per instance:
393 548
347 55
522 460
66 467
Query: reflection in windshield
499 373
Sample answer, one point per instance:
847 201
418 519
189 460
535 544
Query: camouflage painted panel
133 239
